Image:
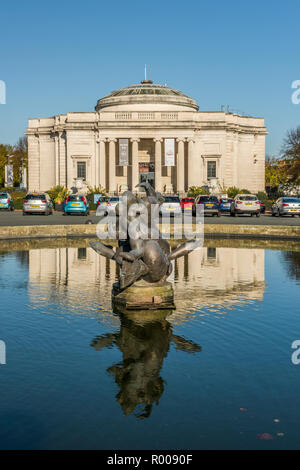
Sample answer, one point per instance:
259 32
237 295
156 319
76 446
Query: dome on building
146 92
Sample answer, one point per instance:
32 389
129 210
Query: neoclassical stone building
147 132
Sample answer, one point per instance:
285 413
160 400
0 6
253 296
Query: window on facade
81 253
211 169
81 170
211 252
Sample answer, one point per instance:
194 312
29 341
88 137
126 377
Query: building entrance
147 173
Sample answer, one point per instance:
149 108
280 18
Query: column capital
181 139
134 139
110 140
101 139
190 140
158 139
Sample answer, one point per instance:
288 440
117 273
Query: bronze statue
145 262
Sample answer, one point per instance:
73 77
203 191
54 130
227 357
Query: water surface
216 373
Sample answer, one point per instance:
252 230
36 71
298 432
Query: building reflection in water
208 277
144 345
212 278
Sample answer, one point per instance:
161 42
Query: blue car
225 204
211 205
6 202
76 204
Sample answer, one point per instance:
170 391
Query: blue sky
62 56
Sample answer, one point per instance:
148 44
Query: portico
163 139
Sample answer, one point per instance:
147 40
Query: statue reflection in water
144 342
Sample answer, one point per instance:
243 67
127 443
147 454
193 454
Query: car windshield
247 198
208 199
226 200
75 197
291 199
3 195
171 199
35 196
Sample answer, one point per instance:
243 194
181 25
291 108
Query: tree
19 154
20 159
275 172
291 154
4 151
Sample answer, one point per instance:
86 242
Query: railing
146 116
169 116
123 116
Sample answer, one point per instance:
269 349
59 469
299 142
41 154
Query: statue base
143 296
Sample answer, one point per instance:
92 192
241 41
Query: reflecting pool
216 373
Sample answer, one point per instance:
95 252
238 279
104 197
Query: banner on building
169 152
9 176
23 177
123 152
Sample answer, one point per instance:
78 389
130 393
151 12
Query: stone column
112 166
102 163
180 166
191 168
134 164
158 164
56 138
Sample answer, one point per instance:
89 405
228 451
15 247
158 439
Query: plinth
143 296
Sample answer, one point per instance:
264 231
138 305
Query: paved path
16 219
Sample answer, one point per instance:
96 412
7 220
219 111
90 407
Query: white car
171 206
113 202
245 204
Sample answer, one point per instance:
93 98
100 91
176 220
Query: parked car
37 203
245 204
171 206
286 206
262 207
113 202
76 204
187 203
6 202
103 205
225 203
211 205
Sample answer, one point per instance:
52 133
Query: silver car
171 206
245 204
37 203
286 206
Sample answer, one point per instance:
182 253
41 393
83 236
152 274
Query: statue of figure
142 257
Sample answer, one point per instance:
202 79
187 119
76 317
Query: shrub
55 191
97 190
62 195
195 191
18 197
262 196
233 191
245 191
